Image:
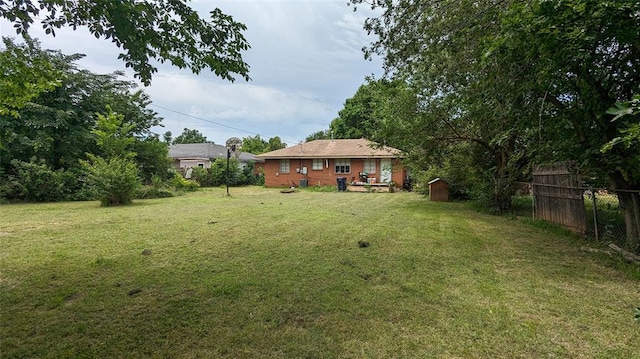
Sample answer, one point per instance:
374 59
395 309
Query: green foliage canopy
319 135
113 135
189 136
257 145
114 176
56 125
275 143
52 131
524 81
152 157
25 73
162 30
512 70
364 113
629 136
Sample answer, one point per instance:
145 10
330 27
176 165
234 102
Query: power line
217 123
75 64
186 114
205 120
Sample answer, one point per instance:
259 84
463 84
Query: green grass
263 274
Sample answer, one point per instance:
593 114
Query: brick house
321 162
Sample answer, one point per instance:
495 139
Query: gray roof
206 150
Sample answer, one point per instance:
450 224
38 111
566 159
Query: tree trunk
630 204
502 195
503 189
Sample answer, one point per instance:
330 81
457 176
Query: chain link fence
605 218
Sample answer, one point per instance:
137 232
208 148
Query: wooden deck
367 187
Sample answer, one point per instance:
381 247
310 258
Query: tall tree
258 145
364 113
375 103
359 116
190 136
586 58
255 145
55 125
523 80
53 129
167 137
162 30
275 143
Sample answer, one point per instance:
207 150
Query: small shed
439 190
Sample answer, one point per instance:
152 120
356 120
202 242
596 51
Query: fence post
533 202
595 215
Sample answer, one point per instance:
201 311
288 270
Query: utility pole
229 150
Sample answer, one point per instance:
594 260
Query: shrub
157 182
152 158
218 171
157 189
202 176
38 182
115 180
182 184
78 185
258 179
10 189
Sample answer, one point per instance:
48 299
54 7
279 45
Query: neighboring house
203 154
322 162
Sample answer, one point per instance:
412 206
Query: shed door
385 170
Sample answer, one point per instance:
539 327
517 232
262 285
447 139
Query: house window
317 164
284 166
343 165
201 165
369 166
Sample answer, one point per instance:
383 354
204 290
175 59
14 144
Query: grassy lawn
268 275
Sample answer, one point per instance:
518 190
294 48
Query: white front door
385 170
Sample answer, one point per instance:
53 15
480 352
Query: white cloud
256 109
305 61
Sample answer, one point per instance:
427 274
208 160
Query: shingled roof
354 148
206 150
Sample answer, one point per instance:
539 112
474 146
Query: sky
305 60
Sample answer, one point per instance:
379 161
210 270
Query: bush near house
217 174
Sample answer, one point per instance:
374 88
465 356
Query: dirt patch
70 298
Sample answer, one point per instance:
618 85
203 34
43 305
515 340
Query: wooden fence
557 196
